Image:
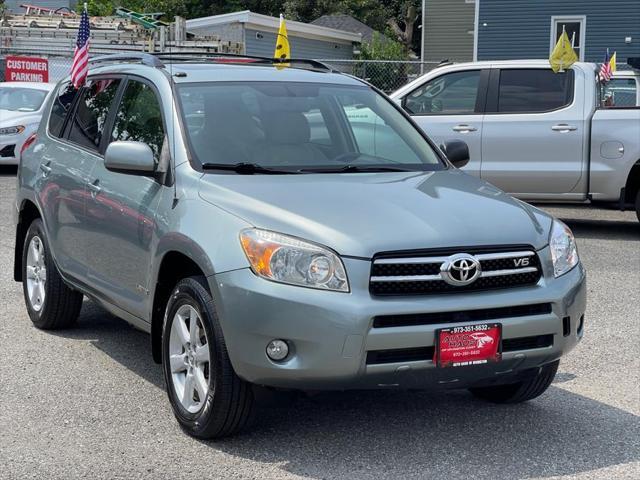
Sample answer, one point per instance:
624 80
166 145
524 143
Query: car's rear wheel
51 304
209 400
638 205
521 391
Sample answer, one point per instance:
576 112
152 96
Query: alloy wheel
36 273
189 359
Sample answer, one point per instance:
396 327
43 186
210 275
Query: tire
50 302
227 405
638 205
521 391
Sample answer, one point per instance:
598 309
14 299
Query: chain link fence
387 75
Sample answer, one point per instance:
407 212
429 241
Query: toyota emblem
460 270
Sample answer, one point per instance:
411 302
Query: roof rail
155 59
144 58
230 57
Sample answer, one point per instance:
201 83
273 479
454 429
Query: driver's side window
139 117
449 94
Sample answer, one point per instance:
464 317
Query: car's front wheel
208 398
51 303
522 391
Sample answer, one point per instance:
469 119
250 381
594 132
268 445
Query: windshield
300 126
21 99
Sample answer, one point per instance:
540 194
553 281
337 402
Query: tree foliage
387 76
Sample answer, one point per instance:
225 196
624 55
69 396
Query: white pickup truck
538 135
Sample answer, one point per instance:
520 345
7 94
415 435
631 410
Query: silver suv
287 227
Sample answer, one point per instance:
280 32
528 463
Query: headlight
564 252
12 130
286 259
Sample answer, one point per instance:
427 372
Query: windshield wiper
355 169
245 168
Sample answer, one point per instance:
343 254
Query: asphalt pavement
90 403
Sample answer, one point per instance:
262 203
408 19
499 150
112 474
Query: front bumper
331 333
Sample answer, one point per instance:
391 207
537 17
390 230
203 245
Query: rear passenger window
450 94
619 93
61 104
139 117
93 108
534 90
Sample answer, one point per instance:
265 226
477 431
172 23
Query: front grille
526 343
400 355
409 320
419 273
8 151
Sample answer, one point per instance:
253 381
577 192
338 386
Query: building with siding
448 30
516 29
347 23
258 35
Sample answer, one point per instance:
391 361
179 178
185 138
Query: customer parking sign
26 69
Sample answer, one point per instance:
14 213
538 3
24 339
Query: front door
533 132
449 107
122 207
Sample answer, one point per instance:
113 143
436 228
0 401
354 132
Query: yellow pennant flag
563 55
612 63
283 51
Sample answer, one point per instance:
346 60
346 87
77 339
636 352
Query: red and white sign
26 69
468 345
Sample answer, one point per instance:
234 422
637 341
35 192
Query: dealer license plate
467 345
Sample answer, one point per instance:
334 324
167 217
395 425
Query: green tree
387 76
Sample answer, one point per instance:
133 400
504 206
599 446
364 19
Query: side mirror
457 152
129 157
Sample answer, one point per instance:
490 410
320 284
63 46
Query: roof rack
248 59
144 58
155 59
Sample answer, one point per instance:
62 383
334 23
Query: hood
10 118
365 213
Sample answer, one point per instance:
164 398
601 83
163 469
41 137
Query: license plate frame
468 345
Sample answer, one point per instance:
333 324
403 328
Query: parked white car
21 105
535 134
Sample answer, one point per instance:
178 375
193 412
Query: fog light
277 350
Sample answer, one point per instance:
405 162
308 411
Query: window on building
534 90
575 28
92 112
620 93
449 94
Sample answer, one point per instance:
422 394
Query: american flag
605 69
80 65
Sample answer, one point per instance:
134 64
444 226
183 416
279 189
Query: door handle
45 168
95 188
563 127
464 128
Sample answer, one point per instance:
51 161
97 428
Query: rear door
61 175
449 107
534 132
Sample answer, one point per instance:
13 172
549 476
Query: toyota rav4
267 233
